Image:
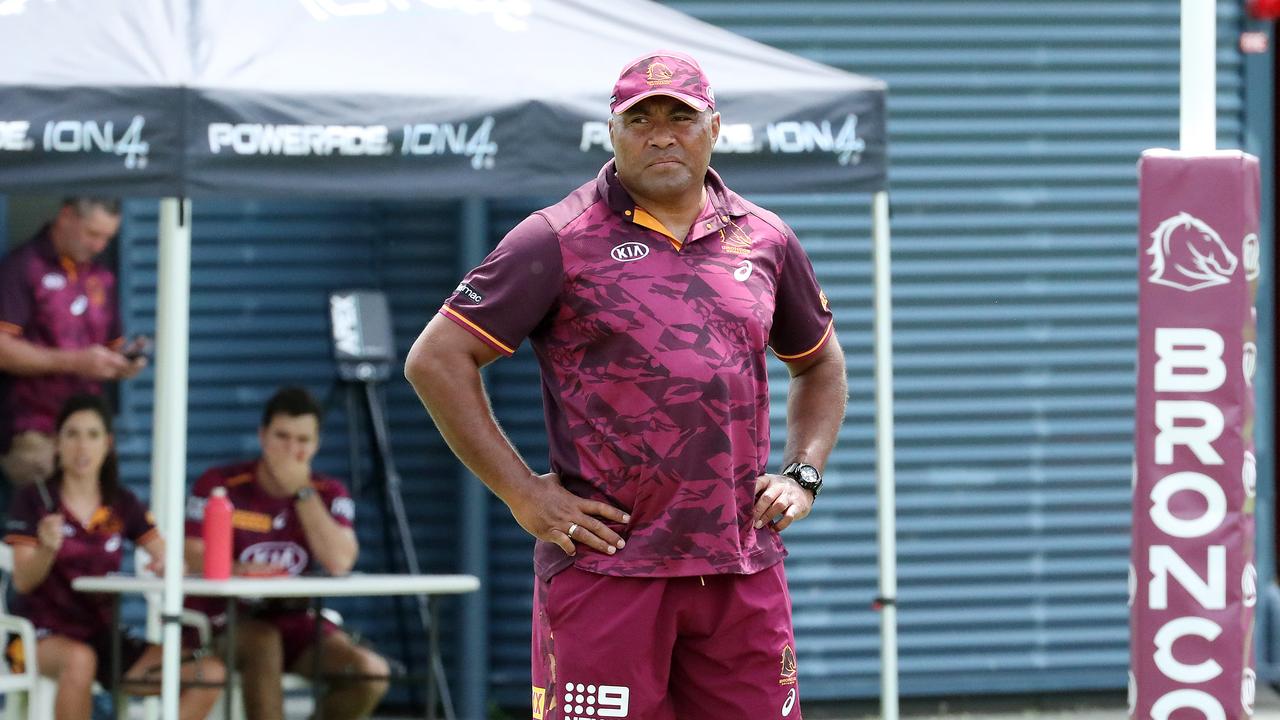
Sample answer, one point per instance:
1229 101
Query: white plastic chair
21 690
33 695
38 701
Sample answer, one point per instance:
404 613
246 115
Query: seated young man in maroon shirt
286 517
59 331
74 526
650 296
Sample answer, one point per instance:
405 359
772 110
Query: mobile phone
136 349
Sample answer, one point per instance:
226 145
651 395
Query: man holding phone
60 331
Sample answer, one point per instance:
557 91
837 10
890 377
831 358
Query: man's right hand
549 512
98 362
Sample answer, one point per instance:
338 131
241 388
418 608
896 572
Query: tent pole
169 431
885 504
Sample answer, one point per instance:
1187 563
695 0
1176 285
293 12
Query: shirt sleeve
339 502
139 525
24 517
196 501
504 299
15 296
802 320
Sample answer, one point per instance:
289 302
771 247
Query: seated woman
75 525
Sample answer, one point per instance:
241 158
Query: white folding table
315 588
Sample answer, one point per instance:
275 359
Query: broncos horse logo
1188 254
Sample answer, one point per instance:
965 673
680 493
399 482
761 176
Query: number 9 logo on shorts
587 702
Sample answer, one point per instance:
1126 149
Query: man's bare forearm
19 357
451 388
333 545
816 407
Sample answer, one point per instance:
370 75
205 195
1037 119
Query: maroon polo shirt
265 529
50 301
652 350
93 548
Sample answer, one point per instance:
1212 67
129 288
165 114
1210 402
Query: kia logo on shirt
628 251
285 555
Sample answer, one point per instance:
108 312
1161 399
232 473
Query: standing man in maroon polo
60 331
650 295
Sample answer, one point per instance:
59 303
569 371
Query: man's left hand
779 495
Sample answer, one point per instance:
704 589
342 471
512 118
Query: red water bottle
216 533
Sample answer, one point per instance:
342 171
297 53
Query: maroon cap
662 73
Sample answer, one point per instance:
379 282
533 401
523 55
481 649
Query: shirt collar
722 203
725 201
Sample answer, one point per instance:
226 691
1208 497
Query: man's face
84 237
662 148
289 441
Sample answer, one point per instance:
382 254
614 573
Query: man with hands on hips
650 296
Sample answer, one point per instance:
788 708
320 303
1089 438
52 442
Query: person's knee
377 668
370 672
79 666
208 670
29 459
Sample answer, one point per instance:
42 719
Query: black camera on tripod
362 342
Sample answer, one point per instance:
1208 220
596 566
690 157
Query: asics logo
790 703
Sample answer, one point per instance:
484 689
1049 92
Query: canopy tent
390 98
384 99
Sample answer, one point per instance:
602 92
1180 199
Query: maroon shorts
711 647
297 629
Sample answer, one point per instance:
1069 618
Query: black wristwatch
805 475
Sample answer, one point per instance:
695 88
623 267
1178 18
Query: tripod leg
391 488
353 438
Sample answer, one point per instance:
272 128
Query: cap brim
689 100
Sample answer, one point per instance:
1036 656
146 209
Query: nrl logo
1189 255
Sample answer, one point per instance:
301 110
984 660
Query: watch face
808 474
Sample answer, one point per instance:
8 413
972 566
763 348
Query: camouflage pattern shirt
652 352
